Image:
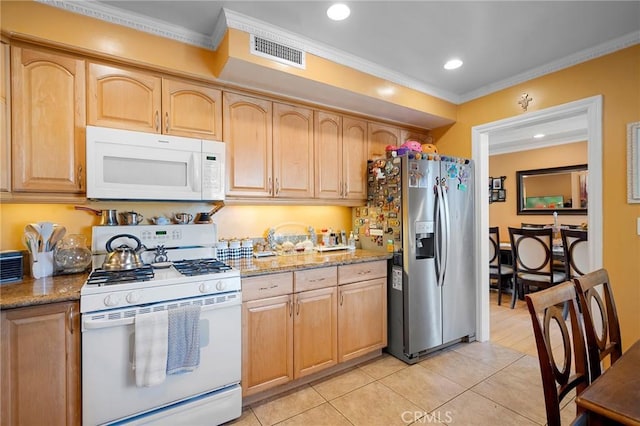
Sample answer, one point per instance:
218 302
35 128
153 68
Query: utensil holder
42 264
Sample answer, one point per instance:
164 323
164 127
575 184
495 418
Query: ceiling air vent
277 52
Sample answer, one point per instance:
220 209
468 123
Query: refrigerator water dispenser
425 241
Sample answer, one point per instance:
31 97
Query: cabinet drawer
311 279
267 286
362 271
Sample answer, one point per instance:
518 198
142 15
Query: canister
222 249
247 248
234 250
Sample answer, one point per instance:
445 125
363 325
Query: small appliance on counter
11 269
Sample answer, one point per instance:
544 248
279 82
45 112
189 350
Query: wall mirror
557 189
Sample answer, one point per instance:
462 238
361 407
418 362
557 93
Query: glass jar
71 255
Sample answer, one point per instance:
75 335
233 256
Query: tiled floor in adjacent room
491 383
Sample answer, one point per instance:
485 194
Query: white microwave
130 165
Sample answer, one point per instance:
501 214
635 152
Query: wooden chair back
576 251
494 246
497 270
601 324
549 326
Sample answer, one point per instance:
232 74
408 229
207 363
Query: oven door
109 391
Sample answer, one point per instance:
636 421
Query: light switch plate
638 226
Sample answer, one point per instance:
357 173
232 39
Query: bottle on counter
352 242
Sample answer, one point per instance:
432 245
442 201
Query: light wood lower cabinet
298 324
41 365
362 318
315 331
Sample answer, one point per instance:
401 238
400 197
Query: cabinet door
48 122
247 124
328 155
267 343
5 140
191 110
379 136
315 331
422 137
41 365
354 158
292 151
362 318
124 99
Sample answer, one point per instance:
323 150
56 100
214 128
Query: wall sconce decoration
497 193
524 101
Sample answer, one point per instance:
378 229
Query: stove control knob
133 297
206 287
221 285
112 300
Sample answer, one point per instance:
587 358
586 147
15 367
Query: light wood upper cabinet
379 136
422 137
5 119
269 148
354 158
41 365
341 150
191 110
124 99
329 182
315 331
292 151
48 122
247 124
134 100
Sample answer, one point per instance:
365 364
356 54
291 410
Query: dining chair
497 270
575 246
550 331
601 324
532 261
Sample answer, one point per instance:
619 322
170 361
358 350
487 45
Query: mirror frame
520 202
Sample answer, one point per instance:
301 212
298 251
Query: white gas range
180 270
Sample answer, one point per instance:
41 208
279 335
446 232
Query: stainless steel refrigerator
424 206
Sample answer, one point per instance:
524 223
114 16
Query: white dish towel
184 339
151 342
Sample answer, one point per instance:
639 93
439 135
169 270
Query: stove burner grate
102 277
200 266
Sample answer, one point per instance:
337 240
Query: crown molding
132 20
566 62
231 19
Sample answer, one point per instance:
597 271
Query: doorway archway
486 135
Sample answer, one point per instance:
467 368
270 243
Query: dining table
615 395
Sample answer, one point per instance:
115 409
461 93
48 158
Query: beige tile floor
491 383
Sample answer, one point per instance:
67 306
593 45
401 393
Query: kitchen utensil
131 218
123 257
183 218
108 217
207 217
58 234
46 229
160 220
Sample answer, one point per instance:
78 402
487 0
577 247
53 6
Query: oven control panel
153 235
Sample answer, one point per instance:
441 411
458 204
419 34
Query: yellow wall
504 214
232 221
617 78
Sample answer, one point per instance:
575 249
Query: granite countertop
63 288
31 291
269 265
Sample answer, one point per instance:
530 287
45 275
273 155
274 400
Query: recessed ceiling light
338 12
452 64
539 135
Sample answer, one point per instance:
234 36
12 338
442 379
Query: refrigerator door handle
447 225
441 237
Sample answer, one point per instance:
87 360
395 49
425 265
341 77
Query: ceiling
502 43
